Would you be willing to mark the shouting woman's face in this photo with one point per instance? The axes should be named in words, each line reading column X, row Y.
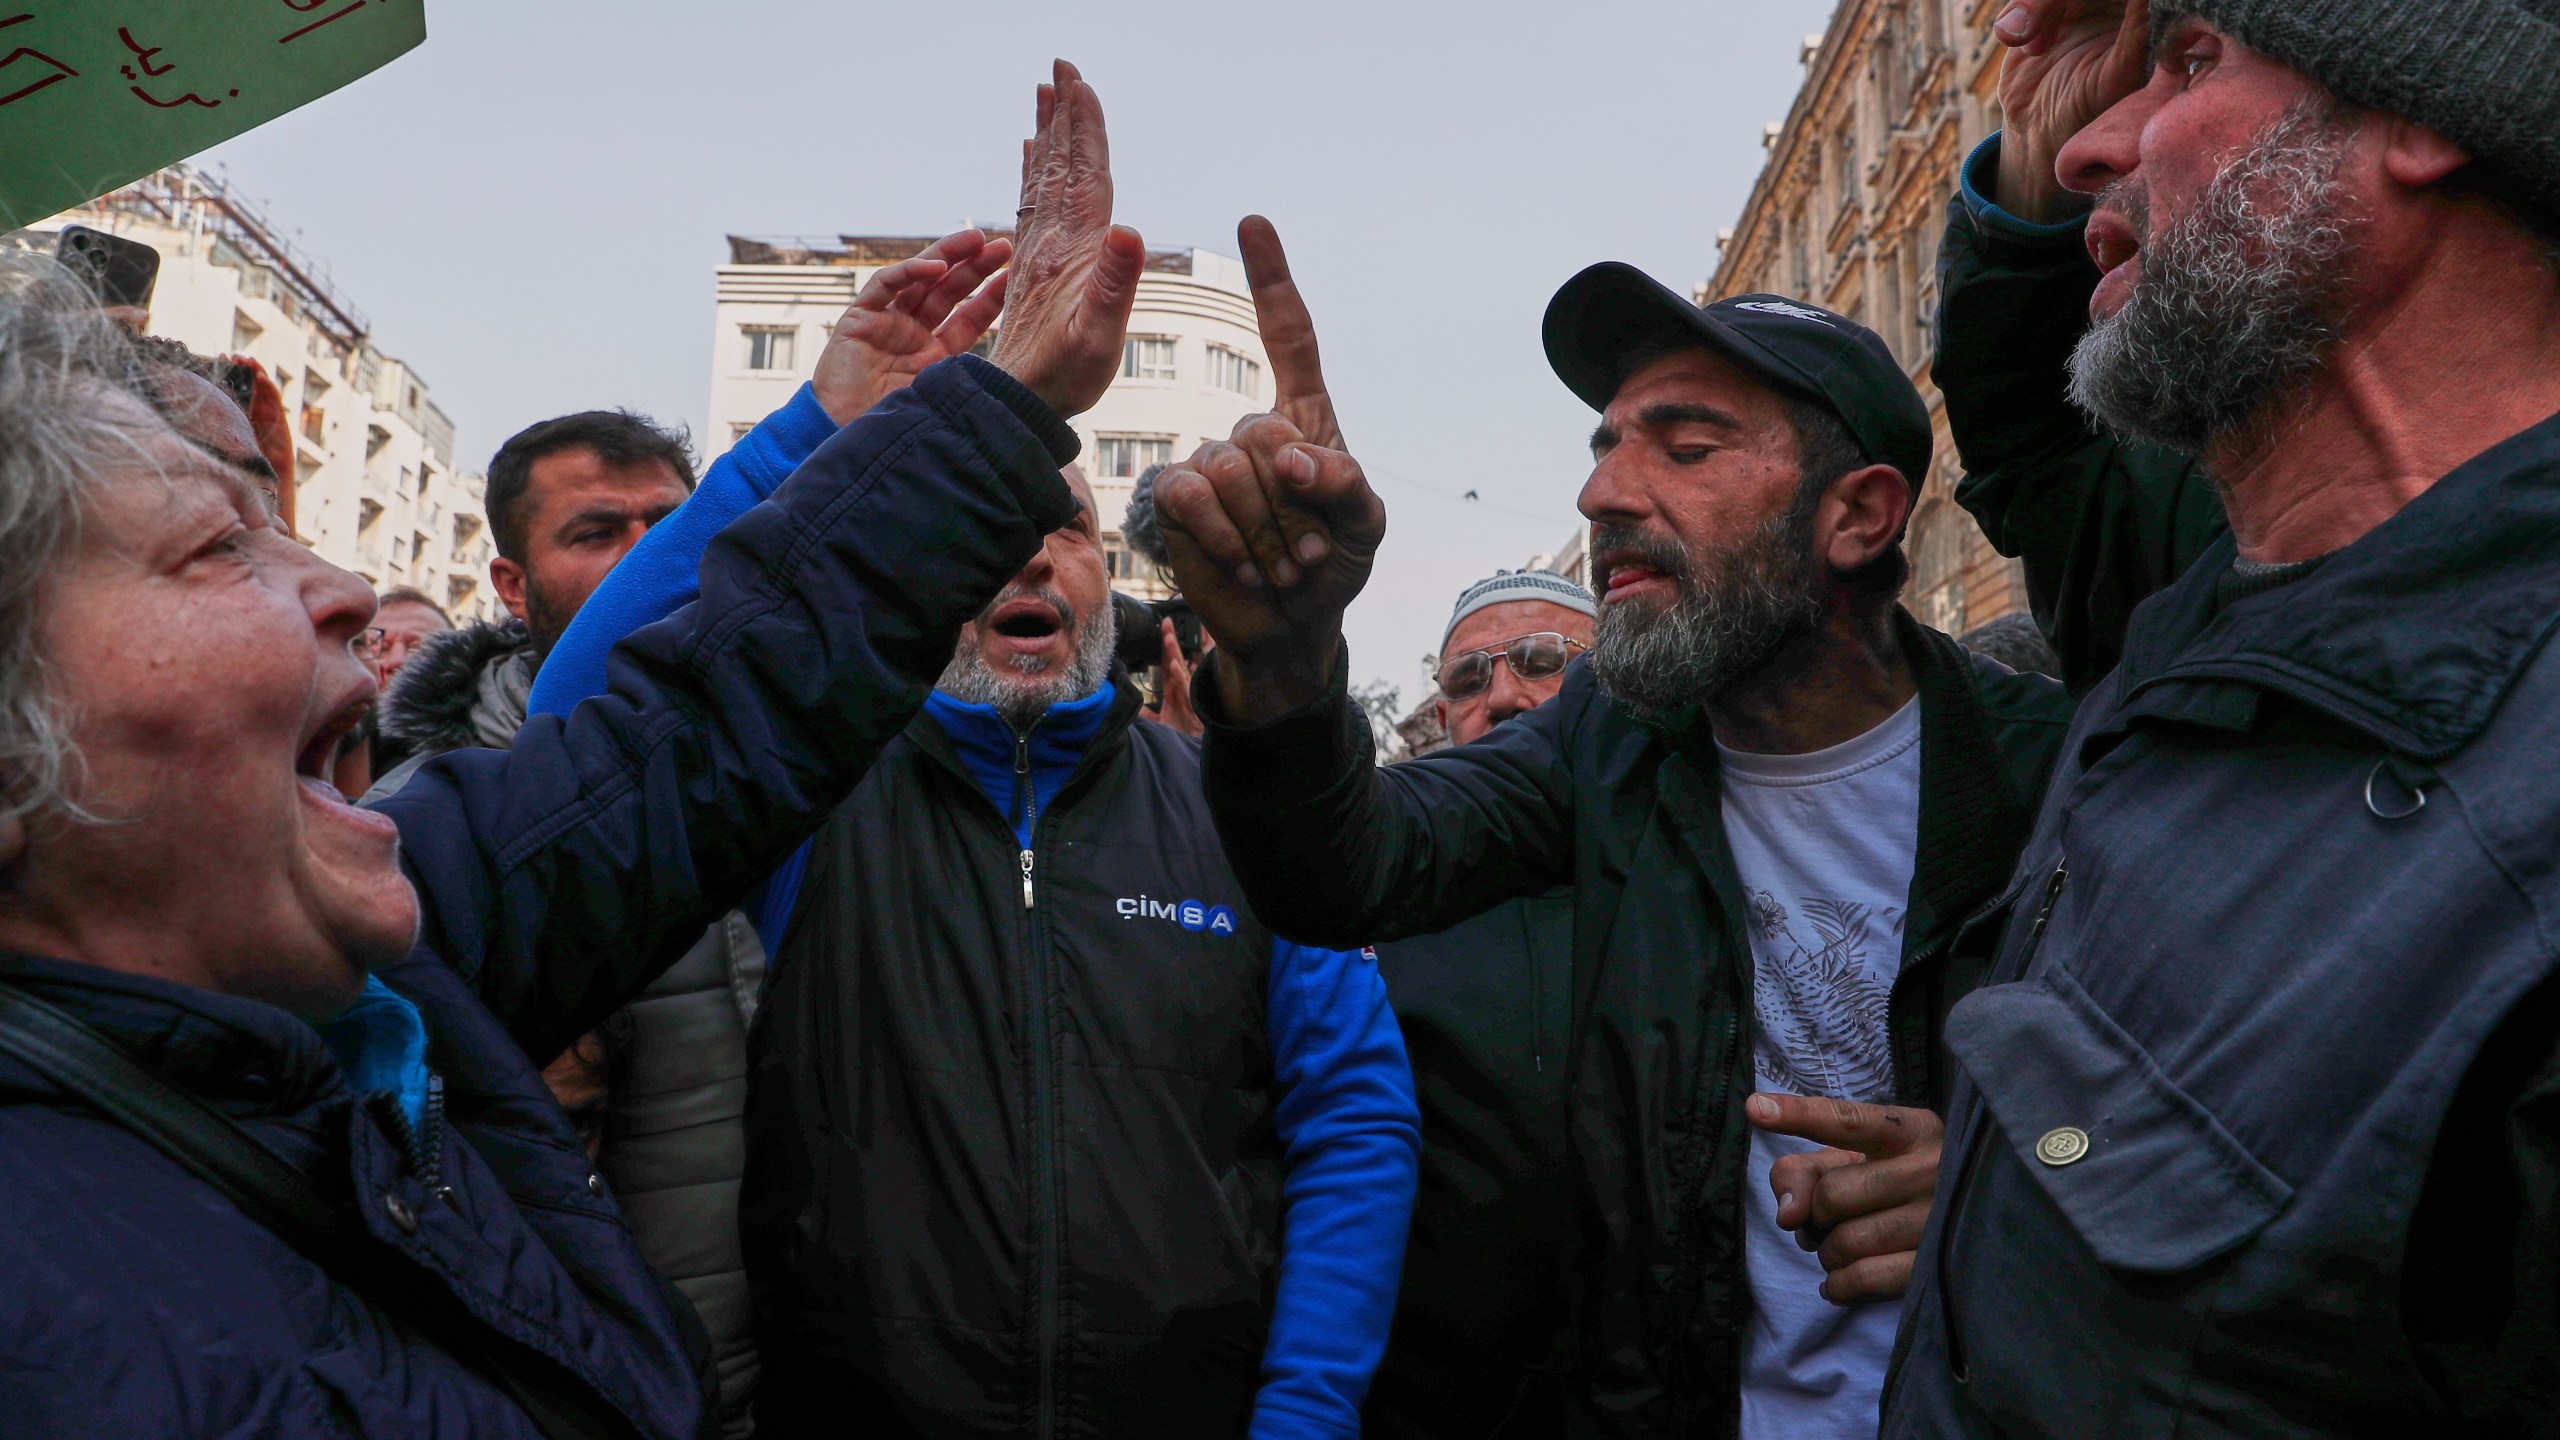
column 205, row 662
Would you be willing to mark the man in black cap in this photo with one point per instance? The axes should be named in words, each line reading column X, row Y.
column 1775, row 794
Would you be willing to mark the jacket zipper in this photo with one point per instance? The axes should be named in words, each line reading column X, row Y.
column 1963, row 1191
column 1030, row 804
column 422, row 1145
column 1044, row 1096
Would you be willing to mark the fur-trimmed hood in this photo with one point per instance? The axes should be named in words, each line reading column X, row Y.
column 463, row 687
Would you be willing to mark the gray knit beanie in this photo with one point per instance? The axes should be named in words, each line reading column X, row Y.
column 2484, row 74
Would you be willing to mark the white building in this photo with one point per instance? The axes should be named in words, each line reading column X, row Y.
column 1193, row 366
column 375, row 486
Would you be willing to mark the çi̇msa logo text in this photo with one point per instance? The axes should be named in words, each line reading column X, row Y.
column 1189, row 914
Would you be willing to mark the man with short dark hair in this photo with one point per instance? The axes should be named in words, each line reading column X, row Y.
column 569, row 497
column 2255, row 1133
column 1777, row 798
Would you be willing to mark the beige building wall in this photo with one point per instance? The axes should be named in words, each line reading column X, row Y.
column 1193, row 365
column 1848, row 213
column 376, row 489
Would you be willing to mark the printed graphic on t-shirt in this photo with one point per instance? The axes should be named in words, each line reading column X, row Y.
column 1821, row 1001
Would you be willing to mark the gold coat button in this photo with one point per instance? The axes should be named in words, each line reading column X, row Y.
column 2062, row 1145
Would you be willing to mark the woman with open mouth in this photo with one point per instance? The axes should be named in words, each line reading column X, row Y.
column 273, row 1160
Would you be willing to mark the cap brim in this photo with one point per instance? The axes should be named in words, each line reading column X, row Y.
column 1613, row 309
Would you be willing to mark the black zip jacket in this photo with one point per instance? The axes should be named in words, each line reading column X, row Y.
column 1486, row 1007
column 1332, row 850
column 2258, row 1132
column 1013, row 1161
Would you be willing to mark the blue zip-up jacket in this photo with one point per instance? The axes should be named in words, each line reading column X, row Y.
column 1344, row 1111
column 554, row 879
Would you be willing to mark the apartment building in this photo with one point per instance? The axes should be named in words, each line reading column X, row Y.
column 375, row 486
column 1848, row 213
column 1193, row 365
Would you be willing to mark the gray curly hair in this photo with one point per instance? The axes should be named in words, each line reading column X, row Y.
column 58, row 355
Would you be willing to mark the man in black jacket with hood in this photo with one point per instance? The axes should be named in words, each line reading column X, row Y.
column 2255, row 1133
column 1755, row 469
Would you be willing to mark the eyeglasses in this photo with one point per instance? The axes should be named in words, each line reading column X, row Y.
column 1531, row 657
column 380, row 644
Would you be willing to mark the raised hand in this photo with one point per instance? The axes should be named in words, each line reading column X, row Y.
column 2069, row 62
column 1075, row 274
column 1273, row 531
column 1173, row 690
column 927, row 308
column 1863, row 1203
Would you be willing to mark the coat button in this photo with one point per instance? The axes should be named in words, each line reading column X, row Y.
column 595, row 1185
column 400, row 1213
column 2062, row 1145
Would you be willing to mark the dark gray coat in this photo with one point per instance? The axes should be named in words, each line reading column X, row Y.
column 2258, row 1128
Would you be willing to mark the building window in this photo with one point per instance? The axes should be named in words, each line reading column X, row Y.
column 1123, row 564
column 1125, row 457
column 1231, row 370
column 740, row 430
column 1147, row 357
column 769, row 347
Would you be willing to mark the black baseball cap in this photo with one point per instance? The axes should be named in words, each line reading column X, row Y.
column 1609, row 311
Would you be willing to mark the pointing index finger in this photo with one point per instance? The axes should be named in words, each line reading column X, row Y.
column 1870, row 1130
column 1288, row 334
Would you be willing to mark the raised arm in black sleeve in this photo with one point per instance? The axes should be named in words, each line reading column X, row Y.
column 1333, row 850
column 562, row 874
column 2101, row 523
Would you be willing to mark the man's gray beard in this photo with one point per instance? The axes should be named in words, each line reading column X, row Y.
column 1755, row 600
column 969, row 678
column 2237, row 304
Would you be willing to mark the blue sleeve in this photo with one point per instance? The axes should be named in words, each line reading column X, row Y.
column 1352, row 1134
column 662, row 573
column 562, row 874
column 1977, row 178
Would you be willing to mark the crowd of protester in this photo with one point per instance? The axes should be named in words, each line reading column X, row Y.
column 825, row 962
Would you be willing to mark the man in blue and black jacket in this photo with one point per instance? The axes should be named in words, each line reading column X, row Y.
column 1045, row 1134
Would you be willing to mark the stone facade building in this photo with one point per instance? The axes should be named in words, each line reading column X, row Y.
column 1847, row 213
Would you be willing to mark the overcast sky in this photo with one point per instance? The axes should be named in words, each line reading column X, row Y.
column 530, row 206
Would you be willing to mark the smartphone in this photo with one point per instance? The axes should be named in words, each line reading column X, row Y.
column 122, row 272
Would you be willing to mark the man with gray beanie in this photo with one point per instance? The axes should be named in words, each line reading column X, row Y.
column 2258, row 1122
column 1486, row 1008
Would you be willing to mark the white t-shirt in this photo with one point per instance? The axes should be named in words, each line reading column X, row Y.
column 1825, row 846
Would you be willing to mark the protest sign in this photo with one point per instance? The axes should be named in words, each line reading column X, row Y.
column 94, row 93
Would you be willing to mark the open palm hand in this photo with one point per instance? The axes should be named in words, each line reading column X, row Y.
column 915, row 313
